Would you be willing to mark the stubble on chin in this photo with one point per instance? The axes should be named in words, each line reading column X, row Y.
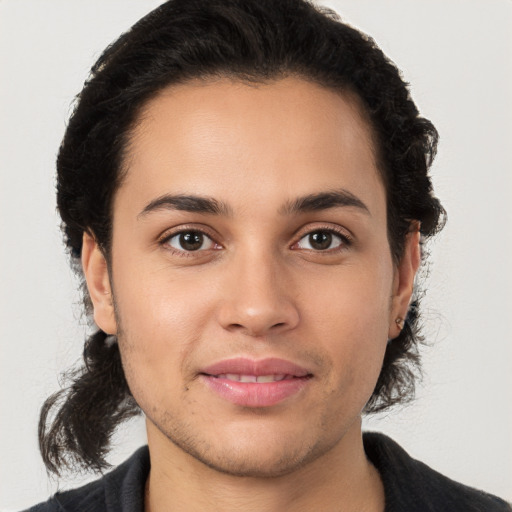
column 255, row 460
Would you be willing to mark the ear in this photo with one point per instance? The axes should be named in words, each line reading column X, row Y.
column 403, row 282
column 96, row 274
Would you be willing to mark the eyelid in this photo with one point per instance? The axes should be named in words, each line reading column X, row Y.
column 163, row 238
column 201, row 228
column 338, row 230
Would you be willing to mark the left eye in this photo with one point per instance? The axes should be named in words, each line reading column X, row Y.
column 321, row 240
column 190, row 241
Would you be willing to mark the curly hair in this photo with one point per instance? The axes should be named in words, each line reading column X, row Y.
column 248, row 40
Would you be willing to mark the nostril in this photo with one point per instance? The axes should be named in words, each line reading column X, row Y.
column 235, row 316
column 235, row 327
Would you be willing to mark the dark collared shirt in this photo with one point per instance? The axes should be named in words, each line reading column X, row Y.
column 410, row 486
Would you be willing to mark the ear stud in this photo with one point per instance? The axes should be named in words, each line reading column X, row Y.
column 110, row 340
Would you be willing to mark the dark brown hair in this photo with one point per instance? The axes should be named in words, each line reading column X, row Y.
column 250, row 40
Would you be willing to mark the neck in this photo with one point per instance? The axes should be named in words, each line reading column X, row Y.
column 342, row 479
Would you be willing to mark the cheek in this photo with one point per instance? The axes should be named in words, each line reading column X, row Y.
column 159, row 323
column 354, row 302
column 349, row 317
column 153, row 299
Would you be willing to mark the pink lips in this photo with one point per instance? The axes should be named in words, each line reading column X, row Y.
column 251, row 383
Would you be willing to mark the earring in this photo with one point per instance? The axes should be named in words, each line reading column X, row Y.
column 110, row 340
column 400, row 322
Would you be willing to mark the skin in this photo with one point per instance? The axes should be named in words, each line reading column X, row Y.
column 256, row 288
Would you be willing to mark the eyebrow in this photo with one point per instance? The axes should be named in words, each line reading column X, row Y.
column 186, row 203
column 209, row 205
column 324, row 201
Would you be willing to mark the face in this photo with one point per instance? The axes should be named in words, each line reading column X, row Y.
column 251, row 273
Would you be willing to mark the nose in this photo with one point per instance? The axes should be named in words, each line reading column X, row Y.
column 258, row 297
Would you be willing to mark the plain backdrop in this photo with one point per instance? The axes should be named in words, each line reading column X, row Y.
column 457, row 56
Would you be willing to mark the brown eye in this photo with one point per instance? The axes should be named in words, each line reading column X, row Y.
column 190, row 241
column 321, row 240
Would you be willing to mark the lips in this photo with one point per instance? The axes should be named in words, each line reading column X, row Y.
column 243, row 366
column 251, row 383
column 236, row 377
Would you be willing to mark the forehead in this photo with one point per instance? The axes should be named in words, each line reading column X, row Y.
column 253, row 141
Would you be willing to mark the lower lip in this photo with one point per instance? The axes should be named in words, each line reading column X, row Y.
column 251, row 394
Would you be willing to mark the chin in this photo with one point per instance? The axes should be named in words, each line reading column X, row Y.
column 255, row 456
column 251, row 464
column 254, row 443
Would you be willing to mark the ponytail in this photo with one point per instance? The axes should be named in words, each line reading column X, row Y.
column 87, row 411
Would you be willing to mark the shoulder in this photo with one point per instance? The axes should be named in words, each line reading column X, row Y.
column 411, row 485
column 121, row 490
column 88, row 497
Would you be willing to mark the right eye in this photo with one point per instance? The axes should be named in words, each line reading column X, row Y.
column 190, row 241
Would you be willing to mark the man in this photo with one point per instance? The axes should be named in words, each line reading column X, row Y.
column 244, row 185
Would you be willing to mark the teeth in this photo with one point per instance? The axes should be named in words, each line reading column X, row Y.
column 267, row 378
column 253, row 378
column 271, row 378
column 248, row 378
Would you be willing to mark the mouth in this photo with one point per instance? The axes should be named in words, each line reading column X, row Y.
column 254, row 378
column 251, row 383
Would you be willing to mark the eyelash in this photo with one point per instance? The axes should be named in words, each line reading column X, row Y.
column 166, row 238
column 346, row 240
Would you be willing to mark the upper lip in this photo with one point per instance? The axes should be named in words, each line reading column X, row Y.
column 246, row 366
